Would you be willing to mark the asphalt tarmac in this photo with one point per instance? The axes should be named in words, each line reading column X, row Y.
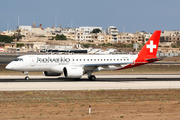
column 16, row 83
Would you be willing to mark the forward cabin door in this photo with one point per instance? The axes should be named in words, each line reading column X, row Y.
column 32, row 61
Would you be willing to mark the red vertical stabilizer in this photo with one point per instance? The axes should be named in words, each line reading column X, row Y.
column 149, row 50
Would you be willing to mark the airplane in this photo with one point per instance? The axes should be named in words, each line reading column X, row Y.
column 74, row 66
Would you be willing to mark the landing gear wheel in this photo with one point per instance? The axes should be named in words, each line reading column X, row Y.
column 26, row 78
column 92, row 77
column 26, row 72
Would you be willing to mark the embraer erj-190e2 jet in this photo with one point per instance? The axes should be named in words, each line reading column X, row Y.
column 74, row 66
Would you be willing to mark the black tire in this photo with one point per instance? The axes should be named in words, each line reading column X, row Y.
column 26, row 78
column 92, row 78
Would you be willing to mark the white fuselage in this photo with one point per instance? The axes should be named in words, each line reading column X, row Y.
column 56, row 63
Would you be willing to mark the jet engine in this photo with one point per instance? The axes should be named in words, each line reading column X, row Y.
column 73, row 72
column 49, row 73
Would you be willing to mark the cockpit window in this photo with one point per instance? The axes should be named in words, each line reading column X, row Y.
column 18, row 59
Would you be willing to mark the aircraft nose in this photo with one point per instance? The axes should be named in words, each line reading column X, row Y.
column 9, row 66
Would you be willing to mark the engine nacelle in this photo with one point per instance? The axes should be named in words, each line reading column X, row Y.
column 73, row 72
column 49, row 73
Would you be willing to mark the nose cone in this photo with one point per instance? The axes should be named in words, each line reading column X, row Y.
column 9, row 66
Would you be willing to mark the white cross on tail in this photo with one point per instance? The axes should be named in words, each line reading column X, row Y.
column 151, row 46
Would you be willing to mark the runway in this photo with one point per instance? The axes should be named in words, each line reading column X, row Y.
column 16, row 83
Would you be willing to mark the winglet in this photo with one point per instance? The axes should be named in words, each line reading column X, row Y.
column 149, row 50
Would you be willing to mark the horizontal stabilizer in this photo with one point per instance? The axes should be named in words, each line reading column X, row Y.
column 152, row 59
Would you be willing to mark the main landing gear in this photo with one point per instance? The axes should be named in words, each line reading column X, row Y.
column 27, row 77
column 92, row 77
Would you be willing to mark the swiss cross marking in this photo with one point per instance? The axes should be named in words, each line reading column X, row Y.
column 151, row 46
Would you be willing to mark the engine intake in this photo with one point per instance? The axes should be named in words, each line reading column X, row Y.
column 73, row 72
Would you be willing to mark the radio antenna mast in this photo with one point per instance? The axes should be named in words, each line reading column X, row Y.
column 18, row 21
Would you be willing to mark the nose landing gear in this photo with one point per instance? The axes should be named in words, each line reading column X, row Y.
column 27, row 77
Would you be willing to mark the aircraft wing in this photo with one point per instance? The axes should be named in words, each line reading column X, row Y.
column 105, row 64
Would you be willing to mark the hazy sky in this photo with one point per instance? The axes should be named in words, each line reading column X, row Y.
column 134, row 15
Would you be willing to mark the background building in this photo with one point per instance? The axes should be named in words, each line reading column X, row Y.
column 113, row 31
column 84, row 33
column 170, row 36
